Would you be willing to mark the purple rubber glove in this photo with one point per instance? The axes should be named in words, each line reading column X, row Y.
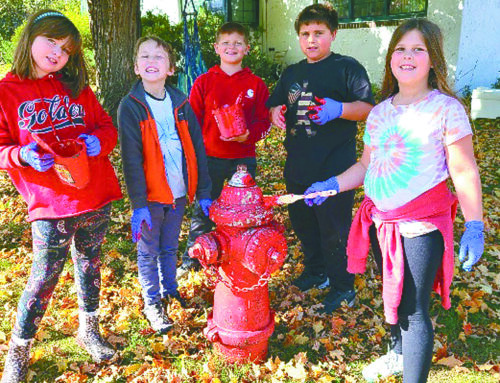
column 205, row 205
column 471, row 244
column 139, row 216
column 329, row 184
column 92, row 143
column 327, row 110
column 40, row 162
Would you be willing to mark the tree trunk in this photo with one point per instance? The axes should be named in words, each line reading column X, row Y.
column 115, row 27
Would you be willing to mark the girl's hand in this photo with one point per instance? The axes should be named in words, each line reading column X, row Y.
column 329, row 184
column 471, row 244
column 277, row 116
column 92, row 143
column 40, row 162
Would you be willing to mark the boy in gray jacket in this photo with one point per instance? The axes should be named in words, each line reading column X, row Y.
column 165, row 167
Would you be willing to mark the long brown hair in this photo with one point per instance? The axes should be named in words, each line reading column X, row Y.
column 52, row 24
column 433, row 39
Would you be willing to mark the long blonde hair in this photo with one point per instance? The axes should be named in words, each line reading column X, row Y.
column 433, row 39
column 52, row 24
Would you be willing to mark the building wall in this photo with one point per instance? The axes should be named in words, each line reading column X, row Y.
column 478, row 53
column 368, row 45
column 171, row 8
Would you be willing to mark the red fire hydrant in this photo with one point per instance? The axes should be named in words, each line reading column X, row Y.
column 246, row 247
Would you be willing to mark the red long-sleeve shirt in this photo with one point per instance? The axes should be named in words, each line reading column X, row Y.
column 215, row 89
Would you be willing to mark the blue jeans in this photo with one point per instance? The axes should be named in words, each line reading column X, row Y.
column 52, row 239
column 157, row 250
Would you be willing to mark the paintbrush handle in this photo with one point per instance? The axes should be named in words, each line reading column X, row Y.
column 324, row 193
column 291, row 198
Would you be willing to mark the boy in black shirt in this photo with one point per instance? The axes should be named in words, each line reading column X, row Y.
column 318, row 101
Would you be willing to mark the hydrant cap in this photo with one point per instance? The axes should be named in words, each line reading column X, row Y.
column 241, row 179
column 241, row 203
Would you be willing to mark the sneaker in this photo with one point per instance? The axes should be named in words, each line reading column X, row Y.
column 307, row 281
column 188, row 264
column 177, row 296
column 383, row 367
column 334, row 299
column 155, row 314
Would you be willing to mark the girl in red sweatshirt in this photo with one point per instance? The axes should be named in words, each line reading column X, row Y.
column 47, row 112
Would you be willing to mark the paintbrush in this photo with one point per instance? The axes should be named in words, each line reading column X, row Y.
column 286, row 199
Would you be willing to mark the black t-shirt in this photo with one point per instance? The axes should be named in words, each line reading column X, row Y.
column 317, row 152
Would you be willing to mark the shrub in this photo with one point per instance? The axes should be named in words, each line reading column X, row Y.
column 81, row 20
column 6, row 52
column 496, row 85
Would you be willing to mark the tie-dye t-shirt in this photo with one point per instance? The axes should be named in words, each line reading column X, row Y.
column 408, row 147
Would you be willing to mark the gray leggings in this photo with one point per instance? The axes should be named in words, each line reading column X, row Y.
column 413, row 336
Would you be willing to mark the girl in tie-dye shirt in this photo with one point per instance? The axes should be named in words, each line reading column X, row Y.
column 416, row 139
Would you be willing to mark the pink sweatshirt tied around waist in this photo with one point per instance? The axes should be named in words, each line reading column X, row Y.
column 437, row 206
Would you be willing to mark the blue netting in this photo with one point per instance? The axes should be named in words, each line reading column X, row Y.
column 193, row 62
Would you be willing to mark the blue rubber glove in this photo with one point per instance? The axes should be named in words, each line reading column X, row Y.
column 139, row 216
column 329, row 184
column 40, row 162
column 92, row 143
column 471, row 244
column 327, row 110
column 205, row 205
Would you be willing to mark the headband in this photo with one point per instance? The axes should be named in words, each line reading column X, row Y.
column 48, row 14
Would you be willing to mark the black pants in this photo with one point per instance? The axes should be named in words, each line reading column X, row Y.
column 413, row 336
column 220, row 170
column 323, row 231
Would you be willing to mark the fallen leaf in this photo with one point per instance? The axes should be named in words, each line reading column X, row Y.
column 450, row 362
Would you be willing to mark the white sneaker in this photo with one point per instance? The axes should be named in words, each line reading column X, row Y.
column 387, row 365
column 155, row 314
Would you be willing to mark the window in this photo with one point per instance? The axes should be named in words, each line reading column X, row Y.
column 362, row 10
column 242, row 11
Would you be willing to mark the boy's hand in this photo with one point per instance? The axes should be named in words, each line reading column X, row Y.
column 241, row 138
column 139, row 216
column 205, row 204
column 471, row 244
column 327, row 110
column 277, row 116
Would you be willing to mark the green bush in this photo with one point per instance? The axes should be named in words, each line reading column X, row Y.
column 15, row 12
column 496, row 85
column 72, row 10
column 6, row 52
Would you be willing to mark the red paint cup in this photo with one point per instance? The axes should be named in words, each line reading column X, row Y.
column 71, row 162
column 231, row 120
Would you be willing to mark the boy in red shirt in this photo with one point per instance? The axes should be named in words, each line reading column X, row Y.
column 225, row 85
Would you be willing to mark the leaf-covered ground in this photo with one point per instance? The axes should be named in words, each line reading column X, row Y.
column 305, row 346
